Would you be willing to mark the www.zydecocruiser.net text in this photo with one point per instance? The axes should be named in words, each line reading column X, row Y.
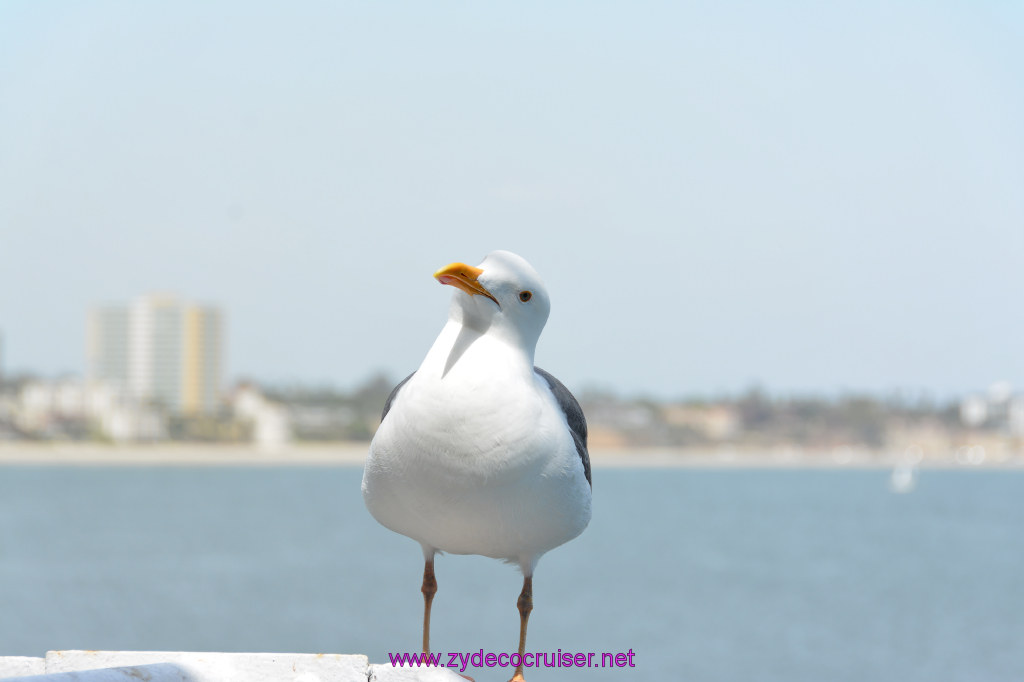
column 461, row 660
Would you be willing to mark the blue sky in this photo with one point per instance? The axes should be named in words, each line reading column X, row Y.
column 810, row 196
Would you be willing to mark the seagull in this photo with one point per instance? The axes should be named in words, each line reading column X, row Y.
column 478, row 450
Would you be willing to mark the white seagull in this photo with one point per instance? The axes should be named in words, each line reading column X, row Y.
column 478, row 450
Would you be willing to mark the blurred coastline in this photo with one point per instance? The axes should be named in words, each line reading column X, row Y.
column 72, row 420
column 349, row 454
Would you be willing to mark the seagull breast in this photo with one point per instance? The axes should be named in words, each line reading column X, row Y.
column 474, row 454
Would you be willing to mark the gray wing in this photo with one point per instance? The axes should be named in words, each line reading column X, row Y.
column 573, row 416
column 393, row 395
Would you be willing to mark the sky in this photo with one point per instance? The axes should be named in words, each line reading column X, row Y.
column 805, row 196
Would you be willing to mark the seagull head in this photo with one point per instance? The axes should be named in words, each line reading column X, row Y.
column 503, row 295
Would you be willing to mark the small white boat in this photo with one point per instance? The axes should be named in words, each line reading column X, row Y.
column 903, row 479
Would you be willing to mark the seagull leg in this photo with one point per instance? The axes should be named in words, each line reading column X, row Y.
column 525, row 604
column 428, row 590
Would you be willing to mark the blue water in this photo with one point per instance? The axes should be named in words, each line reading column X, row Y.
column 706, row 575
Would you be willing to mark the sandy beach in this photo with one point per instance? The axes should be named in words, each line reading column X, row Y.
column 353, row 454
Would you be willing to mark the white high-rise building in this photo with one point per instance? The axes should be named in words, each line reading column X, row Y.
column 160, row 350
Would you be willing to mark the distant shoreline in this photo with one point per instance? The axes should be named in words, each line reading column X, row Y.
column 347, row 454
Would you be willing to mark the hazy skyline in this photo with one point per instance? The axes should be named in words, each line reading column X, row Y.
column 813, row 197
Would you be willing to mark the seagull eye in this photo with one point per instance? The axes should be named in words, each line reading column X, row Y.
column 525, row 296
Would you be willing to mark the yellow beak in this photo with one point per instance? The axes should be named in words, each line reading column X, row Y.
column 464, row 277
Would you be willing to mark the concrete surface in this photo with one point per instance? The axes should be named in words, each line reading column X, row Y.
column 384, row 672
column 21, row 666
column 183, row 666
column 191, row 666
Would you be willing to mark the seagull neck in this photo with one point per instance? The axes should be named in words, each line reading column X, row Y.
column 487, row 349
column 477, row 318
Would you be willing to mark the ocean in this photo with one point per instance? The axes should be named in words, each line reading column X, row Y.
column 703, row 574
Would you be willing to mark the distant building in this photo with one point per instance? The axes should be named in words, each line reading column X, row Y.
column 715, row 422
column 271, row 425
column 70, row 408
column 999, row 409
column 160, row 350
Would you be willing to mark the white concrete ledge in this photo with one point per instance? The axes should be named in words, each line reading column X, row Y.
column 186, row 666
column 156, row 672
column 21, row 666
column 385, row 672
